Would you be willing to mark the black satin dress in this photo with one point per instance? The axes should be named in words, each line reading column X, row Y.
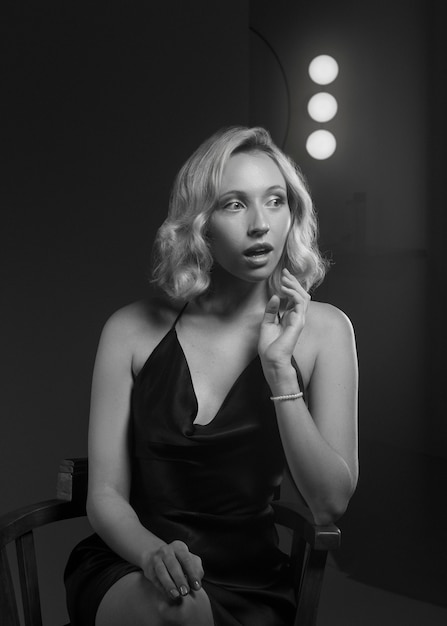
column 209, row 486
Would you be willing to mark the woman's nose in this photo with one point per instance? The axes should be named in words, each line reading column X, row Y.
column 258, row 224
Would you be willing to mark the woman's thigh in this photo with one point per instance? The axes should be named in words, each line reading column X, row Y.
column 134, row 601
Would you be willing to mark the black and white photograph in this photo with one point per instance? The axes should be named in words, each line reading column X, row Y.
column 223, row 336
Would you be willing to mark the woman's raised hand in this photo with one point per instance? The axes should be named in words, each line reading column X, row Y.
column 174, row 570
column 278, row 338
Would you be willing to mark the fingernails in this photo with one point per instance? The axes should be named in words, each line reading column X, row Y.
column 196, row 584
column 184, row 590
column 174, row 594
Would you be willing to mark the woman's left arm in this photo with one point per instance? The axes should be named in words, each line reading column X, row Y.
column 320, row 442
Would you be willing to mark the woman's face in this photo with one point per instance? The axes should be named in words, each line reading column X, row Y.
column 249, row 227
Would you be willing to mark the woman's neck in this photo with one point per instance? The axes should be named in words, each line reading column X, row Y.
column 234, row 297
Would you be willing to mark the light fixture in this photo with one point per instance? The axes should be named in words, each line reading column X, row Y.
column 323, row 69
column 322, row 107
column 321, row 144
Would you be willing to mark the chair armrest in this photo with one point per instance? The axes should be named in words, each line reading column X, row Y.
column 20, row 521
column 298, row 517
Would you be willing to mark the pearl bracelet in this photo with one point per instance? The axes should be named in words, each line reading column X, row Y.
column 290, row 396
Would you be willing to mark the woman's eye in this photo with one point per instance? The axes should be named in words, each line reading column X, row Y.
column 276, row 202
column 234, row 205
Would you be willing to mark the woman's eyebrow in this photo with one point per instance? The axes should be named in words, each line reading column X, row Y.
column 276, row 188
column 244, row 194
column 233, row 192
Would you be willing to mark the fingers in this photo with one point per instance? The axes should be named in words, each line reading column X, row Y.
column 294, row 291
column 271, row 311
column 191, row 566
column 175, row 571
column 278, row 338
column 172, row 576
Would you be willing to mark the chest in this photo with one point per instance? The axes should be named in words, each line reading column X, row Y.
column 216, row 361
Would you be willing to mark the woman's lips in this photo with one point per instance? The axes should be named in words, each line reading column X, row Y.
column 259, row 249
column 258, row 255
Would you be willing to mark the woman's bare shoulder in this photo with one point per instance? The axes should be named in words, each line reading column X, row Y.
column 153, row 310
column 326, row 319
column 150, row 316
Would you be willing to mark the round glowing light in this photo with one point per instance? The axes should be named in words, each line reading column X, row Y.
column 322, row 107
column 323, row 69
column 321, row 144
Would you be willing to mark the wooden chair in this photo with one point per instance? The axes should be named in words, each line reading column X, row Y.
column 309, row 547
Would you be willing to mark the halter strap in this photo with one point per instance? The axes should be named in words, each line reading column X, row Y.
column 179, row 314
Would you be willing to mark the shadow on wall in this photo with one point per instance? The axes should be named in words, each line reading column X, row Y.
column 394, row 529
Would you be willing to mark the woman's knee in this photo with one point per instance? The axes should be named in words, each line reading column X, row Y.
column 134, row 601
column 193, row 609
column 131, row 601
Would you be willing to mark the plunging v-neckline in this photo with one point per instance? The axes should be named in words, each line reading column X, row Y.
column 191, row 384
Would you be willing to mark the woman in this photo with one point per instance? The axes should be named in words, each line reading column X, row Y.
column 201, row 398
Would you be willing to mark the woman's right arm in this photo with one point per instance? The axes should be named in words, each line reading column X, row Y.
column 108, row 507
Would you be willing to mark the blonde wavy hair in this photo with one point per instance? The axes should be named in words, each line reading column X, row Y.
column 182, row 257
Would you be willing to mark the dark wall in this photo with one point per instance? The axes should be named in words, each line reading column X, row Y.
column 99, row 110
column 437, row 219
